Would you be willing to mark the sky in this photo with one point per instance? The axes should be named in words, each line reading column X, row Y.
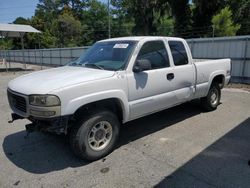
column 11, row 9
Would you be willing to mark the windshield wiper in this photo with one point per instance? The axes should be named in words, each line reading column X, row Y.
column 93, row 65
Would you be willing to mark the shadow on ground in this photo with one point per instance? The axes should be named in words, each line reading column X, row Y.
column 223, row 164
column 14, row 69
column 42, row 153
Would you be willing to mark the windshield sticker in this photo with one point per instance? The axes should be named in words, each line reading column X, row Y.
column 121, row 45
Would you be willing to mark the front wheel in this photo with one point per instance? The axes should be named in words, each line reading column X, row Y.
column 212, row 100
column 95, row 136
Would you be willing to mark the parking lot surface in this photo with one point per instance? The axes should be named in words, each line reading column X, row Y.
column 179, row 147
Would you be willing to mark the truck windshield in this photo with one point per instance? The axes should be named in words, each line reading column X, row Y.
column 111, row 55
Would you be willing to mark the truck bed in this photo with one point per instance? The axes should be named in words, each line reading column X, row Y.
column 205, row 69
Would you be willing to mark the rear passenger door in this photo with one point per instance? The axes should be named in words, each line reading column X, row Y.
column 184, row 71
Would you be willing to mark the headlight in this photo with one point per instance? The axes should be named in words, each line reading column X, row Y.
column 44, row 100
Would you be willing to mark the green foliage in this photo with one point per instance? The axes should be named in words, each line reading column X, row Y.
column 66, row 23
column 166, row 27
column 241, row 14
column 122, row 23
column 21, row 20
column 145, row 13
column 48, row 40
column 96, row 20
column 223, row 24
column 5, row 44
column 203, row 12
column 182, row 17
column 69, row 30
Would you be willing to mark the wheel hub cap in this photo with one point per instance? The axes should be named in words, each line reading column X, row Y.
column 214, row 97
column 100, row 135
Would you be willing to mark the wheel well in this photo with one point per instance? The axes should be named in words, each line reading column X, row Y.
column 112, row 104
column 219, row 79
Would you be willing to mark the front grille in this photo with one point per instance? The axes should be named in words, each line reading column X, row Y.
column 18, row 102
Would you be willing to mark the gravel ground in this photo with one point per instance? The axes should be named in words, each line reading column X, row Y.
column 178, row 147
column 245, row 87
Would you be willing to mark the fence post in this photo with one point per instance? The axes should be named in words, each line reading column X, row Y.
column 192, row 46
column 244, row 61
column 50, row 52
column 41, row 57
column 60, row 56
column 35, row 56
column 71, row 54
column 9, row 58
column 28, row 51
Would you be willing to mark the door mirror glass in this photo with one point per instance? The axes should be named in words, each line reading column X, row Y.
column 142, row 65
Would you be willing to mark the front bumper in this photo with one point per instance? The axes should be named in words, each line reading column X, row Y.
column 58, row 125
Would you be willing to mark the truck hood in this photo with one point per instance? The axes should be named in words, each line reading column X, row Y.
column 45, row 81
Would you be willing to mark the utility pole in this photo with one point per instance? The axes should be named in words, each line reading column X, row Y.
column 109, row 19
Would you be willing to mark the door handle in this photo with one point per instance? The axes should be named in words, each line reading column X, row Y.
column 170, row 76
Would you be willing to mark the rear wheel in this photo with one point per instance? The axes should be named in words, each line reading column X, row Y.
column 95, row 136
column 212, row 100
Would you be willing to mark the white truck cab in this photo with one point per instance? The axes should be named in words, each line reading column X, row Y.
column 117, row 80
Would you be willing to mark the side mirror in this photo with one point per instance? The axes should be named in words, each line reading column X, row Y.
column 142, row 65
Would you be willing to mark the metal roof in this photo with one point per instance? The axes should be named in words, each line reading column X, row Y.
column 16, row 30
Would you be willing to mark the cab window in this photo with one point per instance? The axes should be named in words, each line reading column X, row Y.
column 178, row 52
column 156, row 53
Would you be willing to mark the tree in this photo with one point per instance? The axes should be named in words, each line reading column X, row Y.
column 48, row 40
column 146, row 14
column 5, row 44
column 241, row 14
column 75, row 6
column 182, row 17
column 223, row 24
column 95, row 21
column 202, row 15
column 68, row 30
column 17, row 41
column 21, row 20
column 166, row 26
column 122, row 23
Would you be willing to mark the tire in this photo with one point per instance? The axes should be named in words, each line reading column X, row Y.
column 95, row 136
column 212, row 100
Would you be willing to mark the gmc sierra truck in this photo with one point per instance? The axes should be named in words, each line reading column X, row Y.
column 117, row 80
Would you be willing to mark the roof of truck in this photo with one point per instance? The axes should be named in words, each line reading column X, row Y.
column 138, row 38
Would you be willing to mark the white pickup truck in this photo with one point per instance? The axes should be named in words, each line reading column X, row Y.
column 117, row 80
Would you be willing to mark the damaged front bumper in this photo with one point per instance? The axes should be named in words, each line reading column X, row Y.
column 58, row 125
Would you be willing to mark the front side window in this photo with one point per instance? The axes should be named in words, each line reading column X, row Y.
column 178, row 52
column 155, row 52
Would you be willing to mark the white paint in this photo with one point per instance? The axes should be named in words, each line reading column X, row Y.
column 139, row 94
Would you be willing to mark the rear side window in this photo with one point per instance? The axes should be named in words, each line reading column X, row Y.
column 156, row 53
column 178, row 52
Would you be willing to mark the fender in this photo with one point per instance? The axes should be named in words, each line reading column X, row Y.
column 213, row 75
column 76, row 103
